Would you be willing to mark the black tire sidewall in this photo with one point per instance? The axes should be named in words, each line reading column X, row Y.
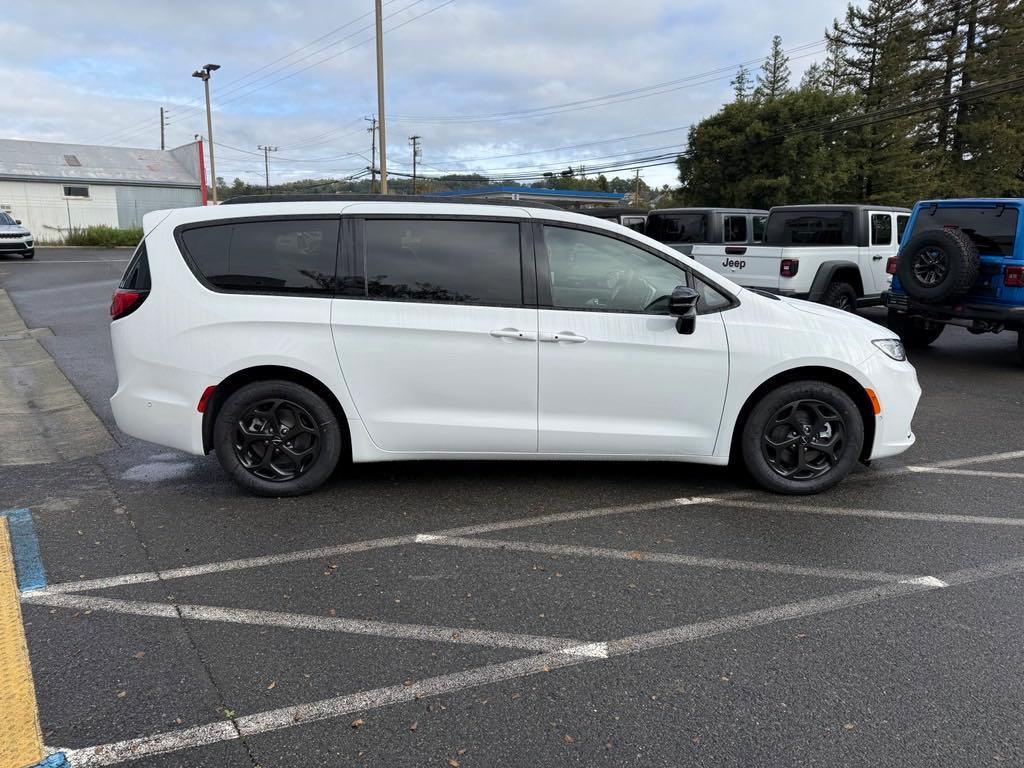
column 837, row 289
column 330, row 436
column 962, row 263
column 753, row 429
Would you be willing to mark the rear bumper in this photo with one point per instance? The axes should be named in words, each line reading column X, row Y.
column 992, row 313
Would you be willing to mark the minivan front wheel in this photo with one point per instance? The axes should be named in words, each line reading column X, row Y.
column 802, row 438
column 277, row 438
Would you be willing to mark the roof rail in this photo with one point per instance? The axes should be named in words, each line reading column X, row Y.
column 319, row 198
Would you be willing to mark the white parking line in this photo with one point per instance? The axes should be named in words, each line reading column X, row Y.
column 286, row 717
column 457, row 635
column 967, row 472
column 668, row 558
column 359, row 546
column 811, row 509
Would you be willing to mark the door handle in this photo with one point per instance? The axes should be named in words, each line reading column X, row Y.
column 876, row 258
column 567, row 337
column 514, row 333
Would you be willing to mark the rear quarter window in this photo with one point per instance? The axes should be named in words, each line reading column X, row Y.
column 136, row 276
column 810, row 228
column 291, row 256
column 993, row 230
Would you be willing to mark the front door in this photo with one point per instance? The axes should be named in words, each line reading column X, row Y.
column 616, row 378
column 436, row 345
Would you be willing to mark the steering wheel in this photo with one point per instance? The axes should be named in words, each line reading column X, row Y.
column 622, row 278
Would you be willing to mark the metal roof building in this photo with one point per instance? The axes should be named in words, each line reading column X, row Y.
column 55, row 187
column 568, row 198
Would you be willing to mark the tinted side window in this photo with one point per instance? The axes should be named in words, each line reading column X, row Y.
column 881, row 228
column 901, row 226
column 678, row 227
column 759, row 226
column 468, row 262
column 294, row 256
column 592, row 271
column 993, row 230
column 636, row 223
column 810, row 228
column 735, row 229
column 136, row 276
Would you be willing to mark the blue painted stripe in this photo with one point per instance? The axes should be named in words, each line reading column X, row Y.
column 28, row 565
column 56, row 760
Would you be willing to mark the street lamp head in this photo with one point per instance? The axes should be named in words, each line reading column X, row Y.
column 200, row 74
column 211, row 67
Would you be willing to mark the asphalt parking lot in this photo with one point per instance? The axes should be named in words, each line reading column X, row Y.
column 520, row 614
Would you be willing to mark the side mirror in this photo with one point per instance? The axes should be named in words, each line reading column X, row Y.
column 17, row 221
column 682, row 305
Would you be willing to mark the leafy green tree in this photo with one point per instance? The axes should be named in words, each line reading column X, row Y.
column 741, row 84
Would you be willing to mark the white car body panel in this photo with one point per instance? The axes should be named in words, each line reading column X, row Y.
column 420, row 380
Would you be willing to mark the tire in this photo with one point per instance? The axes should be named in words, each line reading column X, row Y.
column 274, row 408
column 1020, row 344
column 787, row 416
column 914, row 331
column 938, row 265
column 841, row 296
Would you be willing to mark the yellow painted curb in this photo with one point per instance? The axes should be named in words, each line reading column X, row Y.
column 21, row 741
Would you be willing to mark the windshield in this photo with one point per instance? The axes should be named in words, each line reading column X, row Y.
column 5, row 219
column 678, row 227
column 993, row 229
column 810, row 228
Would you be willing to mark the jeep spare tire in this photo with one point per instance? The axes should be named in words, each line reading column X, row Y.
column 938, row 264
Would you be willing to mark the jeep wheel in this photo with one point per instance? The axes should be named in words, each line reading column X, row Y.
column 1020, row 344
column 938, row 264
column 914, row 331
column 802, row 438
column 277, row 438
column 841, row 296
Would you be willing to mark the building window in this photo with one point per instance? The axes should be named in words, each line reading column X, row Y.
column 76, row 191
column 73, row 161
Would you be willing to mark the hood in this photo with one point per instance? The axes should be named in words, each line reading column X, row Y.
column 17, row 229
column 849, row 319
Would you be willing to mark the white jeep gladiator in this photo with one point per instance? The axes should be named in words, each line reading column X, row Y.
column 832, row 254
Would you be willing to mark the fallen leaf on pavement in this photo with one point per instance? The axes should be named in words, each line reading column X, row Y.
column 358, row 723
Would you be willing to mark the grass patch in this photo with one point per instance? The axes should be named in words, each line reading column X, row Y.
column 103, row 237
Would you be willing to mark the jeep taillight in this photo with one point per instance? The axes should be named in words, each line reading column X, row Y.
column 890, row 265
column 125, row 302
column 789, row 267
column 1013, row 277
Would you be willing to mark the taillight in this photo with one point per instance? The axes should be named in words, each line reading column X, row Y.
column 125, row 301
column 789, row 267
column 1013, row 277
column 890, row 265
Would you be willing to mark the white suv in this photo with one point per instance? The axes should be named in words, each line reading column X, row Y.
column 288, row 335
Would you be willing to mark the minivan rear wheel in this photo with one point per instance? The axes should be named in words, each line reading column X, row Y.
column 277, row 438
column 802, row 438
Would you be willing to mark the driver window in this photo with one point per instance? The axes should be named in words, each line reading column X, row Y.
column 591, row 271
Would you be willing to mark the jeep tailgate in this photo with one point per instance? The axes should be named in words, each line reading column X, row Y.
column 752, row 266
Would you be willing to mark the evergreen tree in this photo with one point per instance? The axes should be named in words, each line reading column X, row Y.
column 813, row 79
column 833, row 69
column 773, row 81
column 741, row 84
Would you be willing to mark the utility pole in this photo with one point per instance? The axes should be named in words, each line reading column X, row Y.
column 636, row 195
column 204, row 74
column 415, row 141
column 380, row 100
column 266, row 160
column 372, row 130
column 162, row 123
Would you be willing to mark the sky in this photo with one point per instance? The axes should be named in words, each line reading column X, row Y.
column 505, row 87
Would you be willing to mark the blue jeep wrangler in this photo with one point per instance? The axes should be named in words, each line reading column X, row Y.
column 961, row 262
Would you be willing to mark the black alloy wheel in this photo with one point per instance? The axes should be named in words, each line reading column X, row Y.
column 930, row 266
column 804, row 439
column 277, row 440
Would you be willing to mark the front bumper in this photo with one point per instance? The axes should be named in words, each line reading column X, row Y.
column 898, row 391
column 10, row 245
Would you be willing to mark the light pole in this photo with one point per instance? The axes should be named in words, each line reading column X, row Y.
column 380, row 100
column 204, row 75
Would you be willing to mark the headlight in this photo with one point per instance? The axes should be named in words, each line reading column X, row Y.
column 892, row 348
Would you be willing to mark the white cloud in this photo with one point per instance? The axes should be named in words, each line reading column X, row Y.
column 99, row 71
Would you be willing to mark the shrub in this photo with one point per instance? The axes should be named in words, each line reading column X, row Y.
column 103, row 236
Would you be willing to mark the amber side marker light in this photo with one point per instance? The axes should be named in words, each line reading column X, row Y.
column 875, row 405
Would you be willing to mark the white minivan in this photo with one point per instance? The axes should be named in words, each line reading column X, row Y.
column 290, row 334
